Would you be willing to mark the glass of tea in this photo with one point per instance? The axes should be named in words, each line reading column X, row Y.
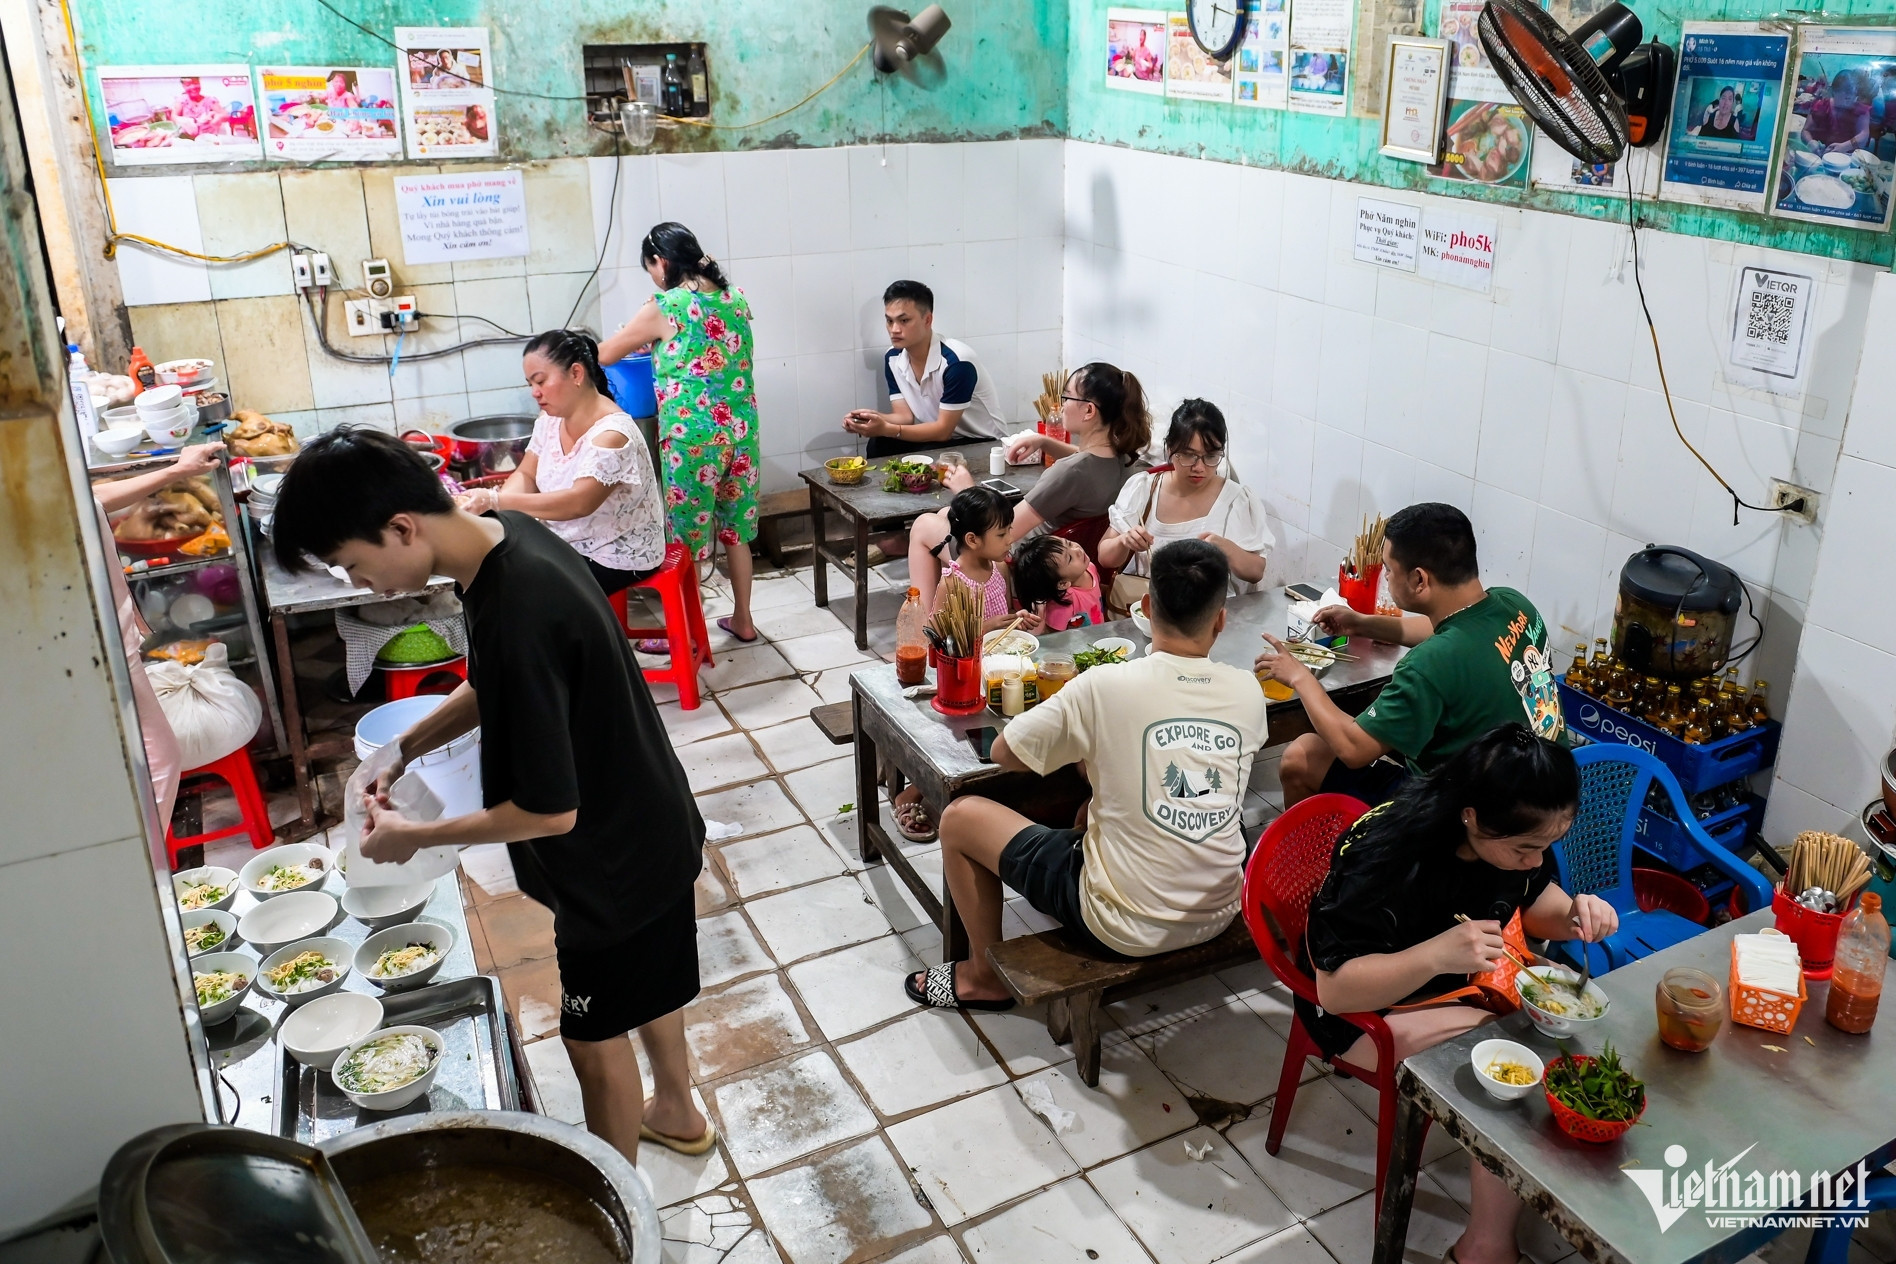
column 1691, row 1005
column 1054, row 670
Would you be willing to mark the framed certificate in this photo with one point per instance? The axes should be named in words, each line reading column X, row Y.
column 1417, row 74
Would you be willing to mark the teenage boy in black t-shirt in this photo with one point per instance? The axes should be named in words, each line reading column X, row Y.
column 578, row 774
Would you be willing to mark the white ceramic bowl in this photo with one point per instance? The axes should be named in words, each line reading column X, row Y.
column 442, row 937
column 317, row 1033
column 183, row 372
column 1838, row 163
column 1130, row 650
column 298, row 915
column 336, row 950
column 395, row 1098
column 1556, row 981
column 242, row 963
column 288, row 855
column 213, row 875
column 381, row 907
column 1489, row 1052
column 1142, row 623
column 118, row 440
column 171, row 427
column 1018, row 643
column 225, row 922
column 158, row 399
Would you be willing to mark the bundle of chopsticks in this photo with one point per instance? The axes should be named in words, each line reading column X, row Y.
column 1831, row 864
column 1047, row 403
column 1367, row 552
column 955, row 627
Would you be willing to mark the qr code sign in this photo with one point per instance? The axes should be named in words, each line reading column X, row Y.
column 1768, row 319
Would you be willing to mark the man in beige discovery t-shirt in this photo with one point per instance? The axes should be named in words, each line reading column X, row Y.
column 1167, row 740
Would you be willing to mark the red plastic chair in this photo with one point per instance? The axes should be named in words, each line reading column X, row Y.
column 676, row 583
column 1285, row 871
column 405, row 682
column 235, row 771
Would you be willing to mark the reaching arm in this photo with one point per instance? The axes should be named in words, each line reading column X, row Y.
column 1409, row 629
column 392, row 838
column 1557, row 915
column 1345, row 737
column 1378, row 980
column 648, row 326
column 1245, row 565
column 125, row 492
column 1026, row 518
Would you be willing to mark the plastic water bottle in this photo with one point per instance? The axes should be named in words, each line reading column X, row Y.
column 77, row 374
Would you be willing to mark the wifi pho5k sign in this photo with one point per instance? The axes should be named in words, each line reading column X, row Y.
column 1733, row 1198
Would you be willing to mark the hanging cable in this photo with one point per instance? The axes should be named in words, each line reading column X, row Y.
column 1737, row 502
column 771, row 118
column 605, row 243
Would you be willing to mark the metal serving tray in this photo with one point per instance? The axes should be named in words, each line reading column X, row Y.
column 477, row 1067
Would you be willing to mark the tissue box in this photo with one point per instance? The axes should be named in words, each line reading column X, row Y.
column 1756, row 1007
column 1300, row 627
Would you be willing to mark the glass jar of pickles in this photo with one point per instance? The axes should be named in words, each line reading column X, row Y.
column 1054, row 671
column 1691, row 1006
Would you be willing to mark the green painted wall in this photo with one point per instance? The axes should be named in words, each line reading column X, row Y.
column 1345, row 149
column 1001, row 72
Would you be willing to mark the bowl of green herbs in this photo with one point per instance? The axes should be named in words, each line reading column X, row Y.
column 1593, row 1099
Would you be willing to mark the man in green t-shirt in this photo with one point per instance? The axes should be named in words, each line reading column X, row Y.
column 1478, row 658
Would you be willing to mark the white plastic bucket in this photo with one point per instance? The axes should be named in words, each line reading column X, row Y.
column 453, row 772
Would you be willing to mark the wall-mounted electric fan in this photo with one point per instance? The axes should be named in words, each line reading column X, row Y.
column 1594, row 91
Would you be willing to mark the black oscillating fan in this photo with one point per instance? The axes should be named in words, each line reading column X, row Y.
column 1594, row 91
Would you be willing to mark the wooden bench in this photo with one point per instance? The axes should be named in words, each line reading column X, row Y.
column 772, row 512
column 837, row 720
column 1075, row 984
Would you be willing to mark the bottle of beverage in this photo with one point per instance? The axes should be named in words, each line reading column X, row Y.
column 1759, row 709
column 1577, row 670
column 1862, row 956
column 77, row 373
column 1696, row 729
column 140, row 370
column 1672, row 715
column 677, row 90
column 1619, row 695
column 911, row 647
column 700, row 80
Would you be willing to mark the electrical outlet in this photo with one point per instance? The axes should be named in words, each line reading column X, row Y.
column 365, row 316
column 1797, row 502
column 325, row 275
column 400, row 313
column 303, row 270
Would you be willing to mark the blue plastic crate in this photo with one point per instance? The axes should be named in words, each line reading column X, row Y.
column 1667, row 839
column 1696, row 768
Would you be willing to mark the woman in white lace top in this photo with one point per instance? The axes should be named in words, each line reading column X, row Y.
column 587, row 473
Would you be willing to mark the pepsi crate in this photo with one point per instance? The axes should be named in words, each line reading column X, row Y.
column 1667, row 839
column 1696, row 768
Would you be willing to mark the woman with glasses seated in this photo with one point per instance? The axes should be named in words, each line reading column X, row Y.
column 1193, row 501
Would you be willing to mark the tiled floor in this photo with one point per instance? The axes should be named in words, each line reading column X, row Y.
column 857, row 1129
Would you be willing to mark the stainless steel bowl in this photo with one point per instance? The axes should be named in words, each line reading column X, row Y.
column 506, row 1138
column 491, row 445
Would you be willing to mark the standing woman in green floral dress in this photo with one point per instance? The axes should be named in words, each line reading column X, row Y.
column 698, row 326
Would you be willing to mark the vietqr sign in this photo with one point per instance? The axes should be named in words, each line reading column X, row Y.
column 445, row 218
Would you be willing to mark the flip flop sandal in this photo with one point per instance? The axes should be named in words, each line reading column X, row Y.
column 683, row 1145
column 657, row 645
column 915, row 822
column 724, row 625
column 938, row 991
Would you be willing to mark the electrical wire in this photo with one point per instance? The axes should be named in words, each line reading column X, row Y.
column 470, row 316
column 768, row 118
column 498, row 91
column 605, row 244
column 318, row 304
column 1737, row 502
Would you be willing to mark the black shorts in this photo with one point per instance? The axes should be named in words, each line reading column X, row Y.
column 1043, row 864
column 1374, row 783
column 606, row 992
column 611, row 581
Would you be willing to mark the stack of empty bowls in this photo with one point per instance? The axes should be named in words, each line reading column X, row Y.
column 263, row 499
column 167, row 416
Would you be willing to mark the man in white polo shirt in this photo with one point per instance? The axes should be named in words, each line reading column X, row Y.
column 938, row 396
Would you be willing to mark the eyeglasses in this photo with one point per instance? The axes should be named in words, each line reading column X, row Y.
column 1075, row 399
column 1207, row 461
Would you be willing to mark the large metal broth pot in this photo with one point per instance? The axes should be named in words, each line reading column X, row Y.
column 491, row 445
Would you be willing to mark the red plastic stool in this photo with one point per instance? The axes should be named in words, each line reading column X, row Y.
column 405, row 682
column 235, row 771
column 676, row 583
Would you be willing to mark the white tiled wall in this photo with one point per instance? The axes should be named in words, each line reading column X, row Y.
column 812, row 235
column 1842, row 707
column 1354, row 390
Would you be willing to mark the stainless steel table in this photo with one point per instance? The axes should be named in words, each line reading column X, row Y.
column 911, row 740
column 285, row 594
column 1814, row 1100
column 868, row 508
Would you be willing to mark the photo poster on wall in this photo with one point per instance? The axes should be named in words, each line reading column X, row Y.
column 1727, row 105
column 1473, row 77
column 1377, row 21
column 446, row 75
column 1320, row 57
column 313, row 113
column 1551, row 167
column 1840, row 132
column 172, row 114
column 1191, row 72
column 1135, row 50
column 1485, row 143
column 1263, row 75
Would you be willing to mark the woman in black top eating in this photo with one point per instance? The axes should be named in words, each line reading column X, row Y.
column 1475, row 839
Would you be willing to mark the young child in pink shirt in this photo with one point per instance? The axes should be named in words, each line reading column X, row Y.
column 1054, row 578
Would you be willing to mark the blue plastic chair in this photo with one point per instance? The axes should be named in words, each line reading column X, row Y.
column 1596, row 856
column 1831, row 1244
